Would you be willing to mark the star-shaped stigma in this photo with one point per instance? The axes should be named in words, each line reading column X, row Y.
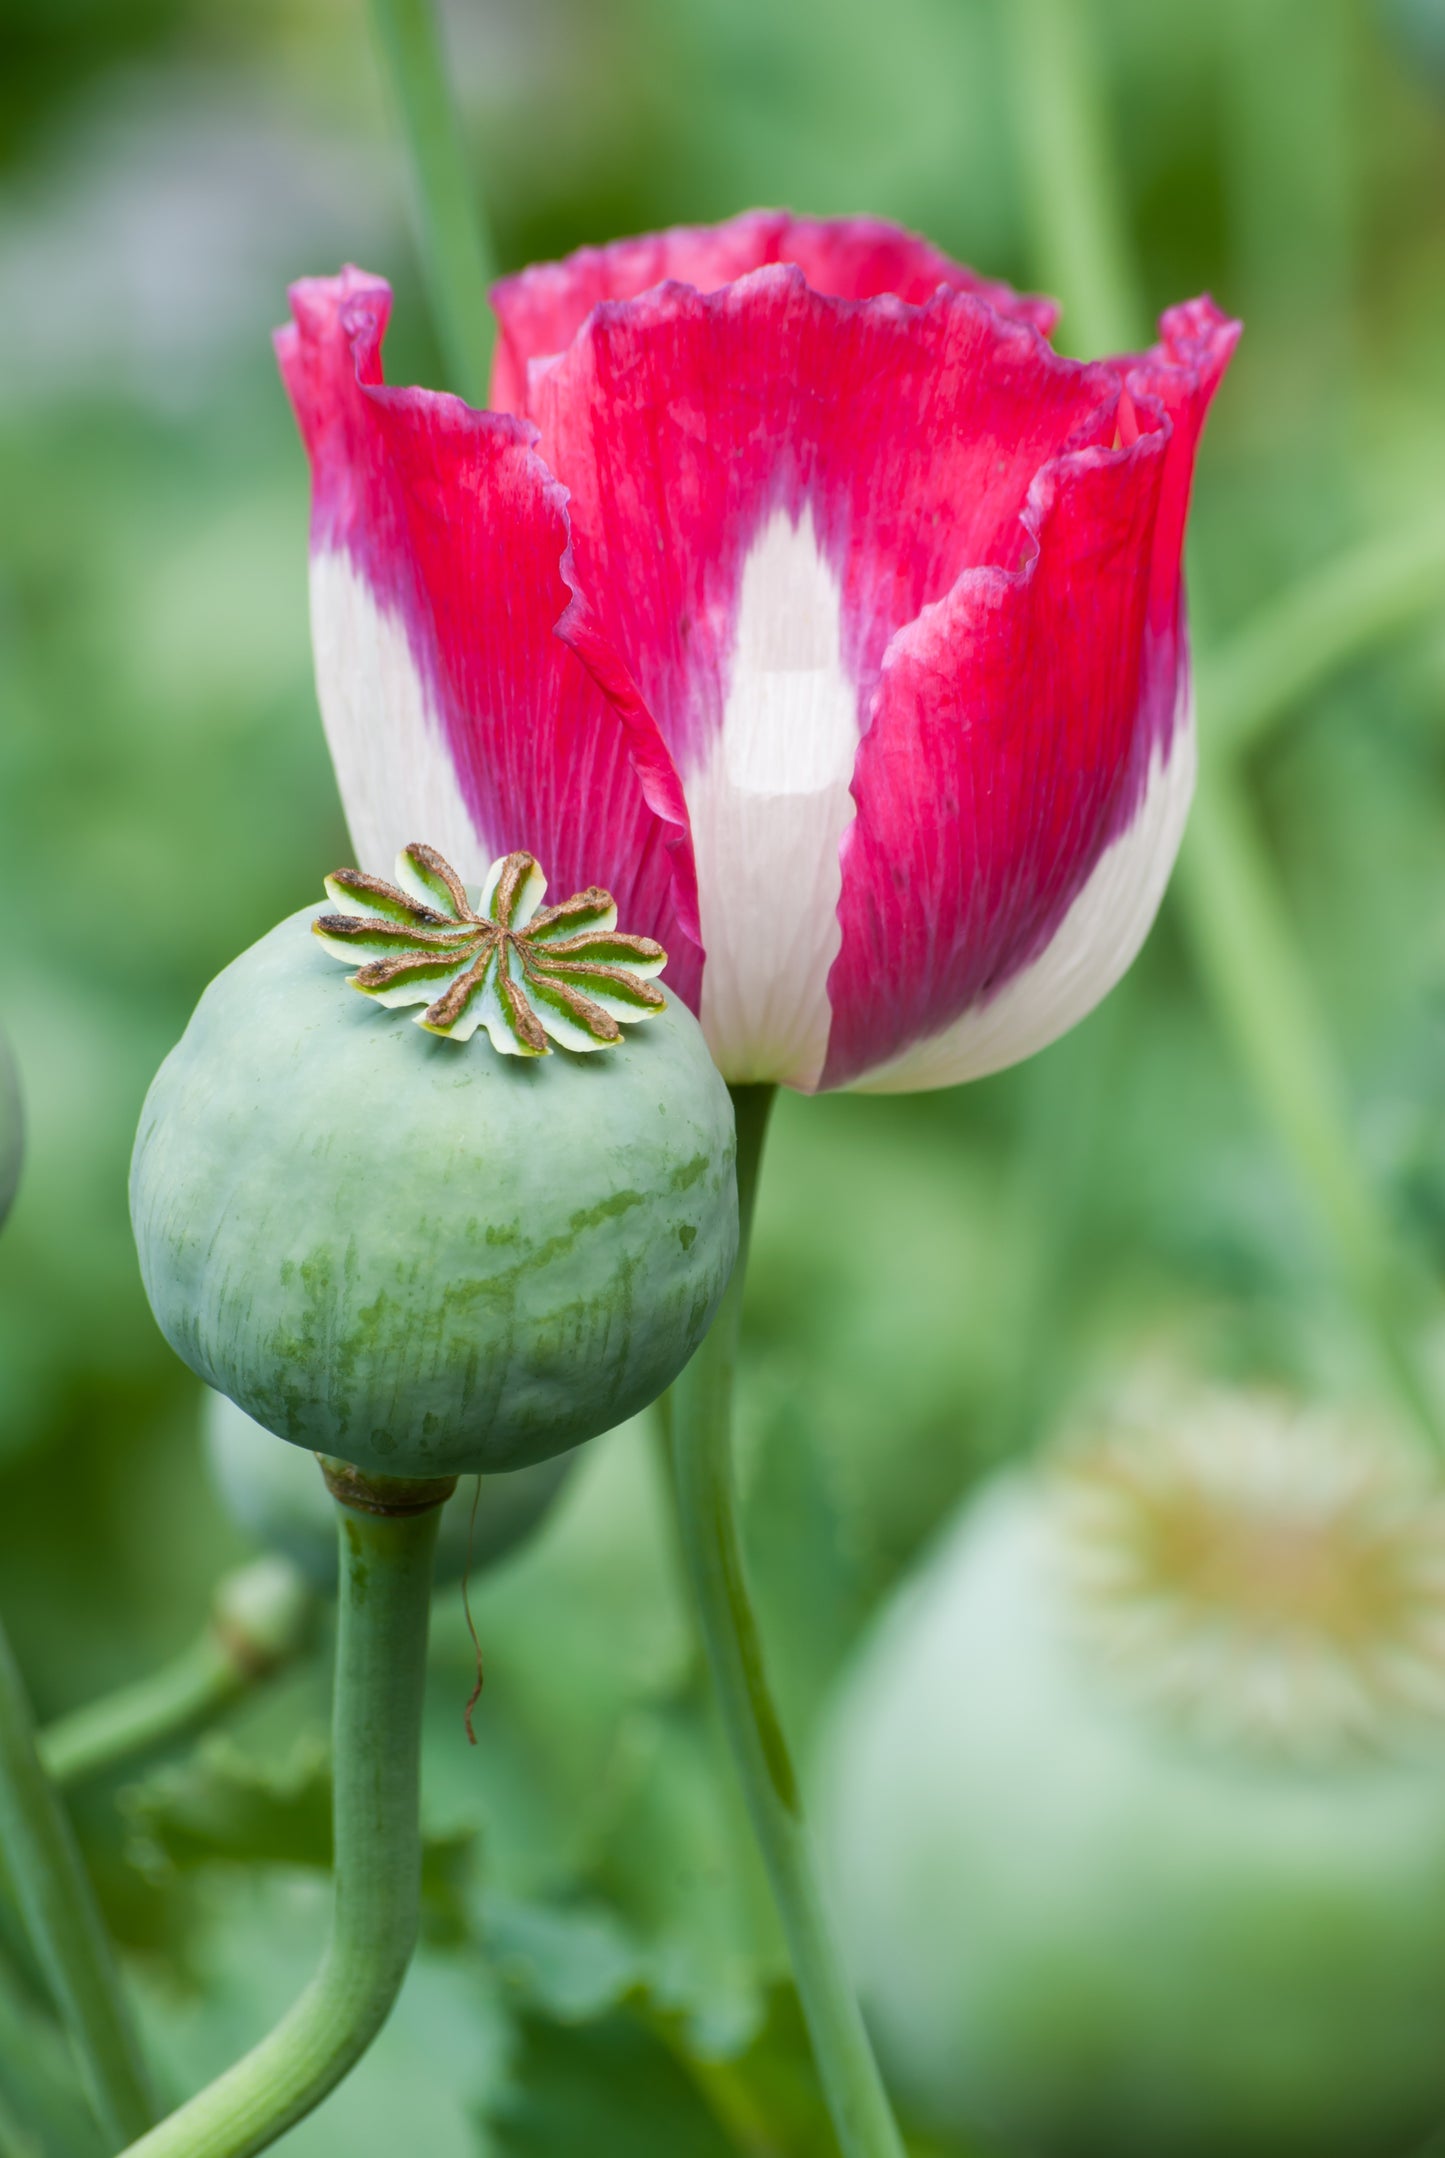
column 521, row 970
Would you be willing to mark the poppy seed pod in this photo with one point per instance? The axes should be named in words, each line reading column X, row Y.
column 413, row 1254
column 279, row 1497
column 1135, row 1802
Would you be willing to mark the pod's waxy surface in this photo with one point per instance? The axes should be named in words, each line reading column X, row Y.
column 417, row 1255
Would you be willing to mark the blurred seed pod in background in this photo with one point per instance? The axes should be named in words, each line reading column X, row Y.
column 277, row 1495
column 12, row 1130
column 1134, row 1800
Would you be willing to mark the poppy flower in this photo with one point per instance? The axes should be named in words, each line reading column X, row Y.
column 800, row 594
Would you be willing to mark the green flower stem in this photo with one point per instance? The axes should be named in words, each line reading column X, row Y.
column 712, row 1549
column 1321, row 625
column 455, row 254
column 383, row 1612
column 57, row 1904
column 260, row 1623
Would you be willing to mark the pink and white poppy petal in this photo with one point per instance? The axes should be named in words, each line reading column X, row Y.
column 765, row 485
column 453, row 712
column 1093, row 947
column 1045, row 718
column 1179, row 375
column 541, row 309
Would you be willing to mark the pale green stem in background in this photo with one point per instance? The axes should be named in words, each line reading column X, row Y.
column 1332, row 617
column 1081, row 246
column 702, row 1401
column 383, row 1611
column 455, row 254
column 260, row 1623
column 136, row 1720
column 57, row 1904
column 1235, row 916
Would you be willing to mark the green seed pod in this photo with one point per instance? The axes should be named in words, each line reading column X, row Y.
column 1135, row 1801
column 12, row 1130
column 414, row 1254
column 278, row 1495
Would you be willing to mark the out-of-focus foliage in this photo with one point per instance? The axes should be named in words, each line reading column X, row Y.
column 934, row 1276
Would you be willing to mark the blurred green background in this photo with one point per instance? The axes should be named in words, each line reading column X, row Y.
column 936, row 1278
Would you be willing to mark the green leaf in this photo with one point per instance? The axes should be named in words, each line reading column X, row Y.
column 256, row 1939
column 571, row 1962
column 577, row 1631
column 223, row 1806
column 606, row 2087
column 219, row 1803
column 681, row 1867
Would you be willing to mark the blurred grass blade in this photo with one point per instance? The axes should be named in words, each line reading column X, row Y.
column 455, row 255
column 59, row 1908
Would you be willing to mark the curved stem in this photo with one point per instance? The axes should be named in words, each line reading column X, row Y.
column 712, row 1548
column 455, row 255
column 58, row 1906
column 383, row 1611
column 259, row 1625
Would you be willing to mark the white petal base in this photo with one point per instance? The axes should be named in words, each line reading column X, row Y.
column 769, row 808
column 393, row 763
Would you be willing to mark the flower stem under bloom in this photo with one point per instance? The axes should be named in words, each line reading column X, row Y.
column 385, row 1601
column 712, row 1548
column 58, row 1906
